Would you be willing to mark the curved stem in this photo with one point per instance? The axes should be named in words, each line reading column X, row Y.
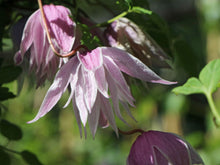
column 131, row 132
column 49, row 37
column 213, row 109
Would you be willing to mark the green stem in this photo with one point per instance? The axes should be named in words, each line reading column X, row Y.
column 135, row 9
column 112, row 20
column 213, row 108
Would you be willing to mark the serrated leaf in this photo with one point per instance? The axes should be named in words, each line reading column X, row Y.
column 30, row 158
column 9, row 73
column 210, row 75
column 5, row 94
column 192, row 86
column 4, row 158
column 10, row 130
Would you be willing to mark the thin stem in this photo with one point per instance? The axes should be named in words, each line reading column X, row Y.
column 112, row 20
column 213, row 109
column 9, row 150
column 49, row 37
column 131, row 132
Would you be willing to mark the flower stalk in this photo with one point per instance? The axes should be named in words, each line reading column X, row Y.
column 131, row 131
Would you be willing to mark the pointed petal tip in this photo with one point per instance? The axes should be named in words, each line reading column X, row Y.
column 164, row 82
column 32, row 121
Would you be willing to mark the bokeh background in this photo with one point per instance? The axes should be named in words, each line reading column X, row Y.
column 190, row 36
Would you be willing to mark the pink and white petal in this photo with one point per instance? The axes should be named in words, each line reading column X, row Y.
column 91, row 60
column 101, row 81
column 56, row 90
column 133, row 66
column 93, row 118
column 108, row 112
column 61, row 26
column 76, row 112
column 90, row 89
column 73, row 82
column 114, row 96
column 39, row 42
column 116, row 75
column 79, row 98
column 27, row 37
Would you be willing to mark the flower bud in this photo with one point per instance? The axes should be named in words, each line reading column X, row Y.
column 125, row 34
column 161, row 148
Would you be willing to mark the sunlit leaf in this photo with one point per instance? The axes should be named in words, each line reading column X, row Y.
column 4, row 158
column 10, row 130
column 30, row 158
column 192, row 86
column 210, row 75
column 9, row 73
column 91, row 42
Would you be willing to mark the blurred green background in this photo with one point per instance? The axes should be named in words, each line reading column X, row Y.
column 193, row 40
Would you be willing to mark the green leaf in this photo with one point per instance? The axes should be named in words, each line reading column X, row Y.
column 91, row 42
column 9, row 73
column 10, row 130
column 192, row 86
column 210, row 75
column 4, row 158
column 30, row 158
column 5, row 94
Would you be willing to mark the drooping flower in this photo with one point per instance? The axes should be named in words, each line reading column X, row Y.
column 95, row 78
column 126, row 35
column 162, row 148
column 42, row 60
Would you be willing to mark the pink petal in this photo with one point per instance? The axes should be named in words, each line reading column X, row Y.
column 39, row 42
column 93, row 118
column 58, row 87
column 108, row 112
column 117, row 76
column 79, row 98
column 133, row 66
column 90, row 89
column 115, row 100
column 76, row 112
column 72, row 86
column 91, row 60
column 27, row 37
column 101, row 81
column 61, row 26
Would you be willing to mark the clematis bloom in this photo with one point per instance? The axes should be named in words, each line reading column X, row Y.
column 34, row 41
column 95, row 78
column 162, row 148
column 126, row 35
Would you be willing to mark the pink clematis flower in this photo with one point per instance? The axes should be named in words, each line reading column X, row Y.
column 162, row 148
column 95, row 78
column 42, row 59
